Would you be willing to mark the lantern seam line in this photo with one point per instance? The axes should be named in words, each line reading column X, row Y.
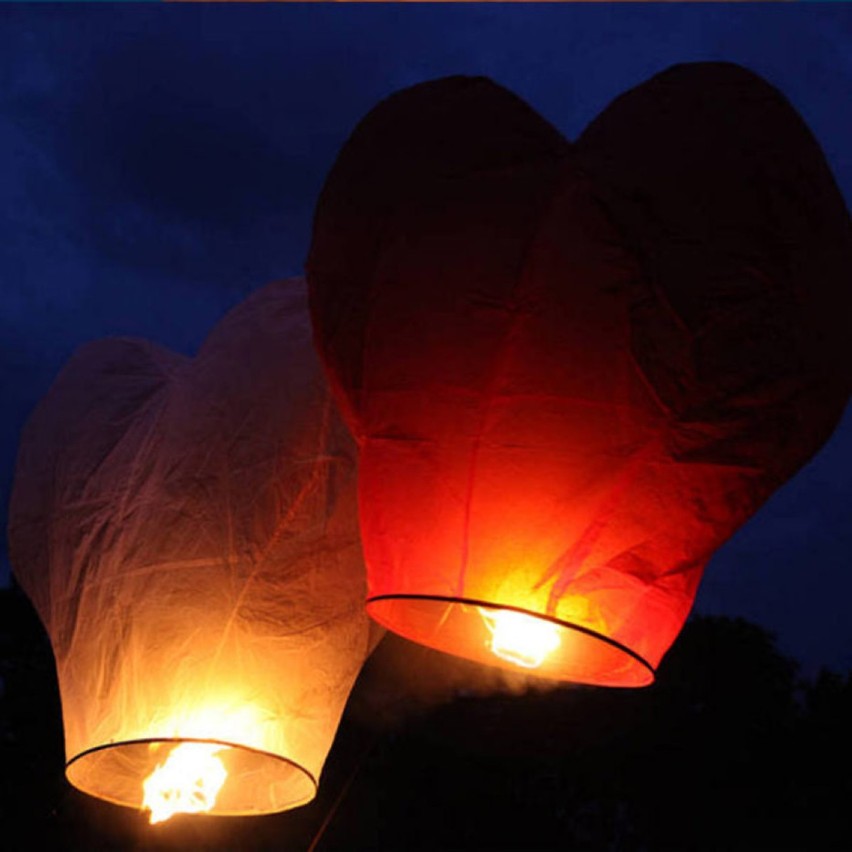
column 503, row 354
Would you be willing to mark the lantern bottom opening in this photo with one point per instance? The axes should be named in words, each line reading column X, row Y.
column 460, row 626
column 257, row 782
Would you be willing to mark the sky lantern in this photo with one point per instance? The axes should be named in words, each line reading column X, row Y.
column 575, row 369
column 187, row 531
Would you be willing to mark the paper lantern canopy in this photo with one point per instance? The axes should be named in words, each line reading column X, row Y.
column 574, row 370
column 186, row 529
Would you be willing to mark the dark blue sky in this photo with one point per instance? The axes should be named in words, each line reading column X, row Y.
column 159, row 163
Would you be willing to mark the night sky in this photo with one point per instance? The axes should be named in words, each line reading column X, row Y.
column 158, row 164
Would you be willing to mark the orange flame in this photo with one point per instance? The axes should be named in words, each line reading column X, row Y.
column 188, row 781
column 519, row 638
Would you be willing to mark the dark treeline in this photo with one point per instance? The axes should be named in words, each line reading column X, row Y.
column 728, row 750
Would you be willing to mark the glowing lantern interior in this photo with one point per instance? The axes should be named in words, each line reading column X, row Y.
column 513, row 638
column 520, row 638
column 187, row 781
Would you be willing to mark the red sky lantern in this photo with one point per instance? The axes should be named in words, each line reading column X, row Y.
column 574, row 370
column 187, row 531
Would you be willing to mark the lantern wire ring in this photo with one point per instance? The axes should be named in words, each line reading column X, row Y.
column 492, row 605
column 144, row 740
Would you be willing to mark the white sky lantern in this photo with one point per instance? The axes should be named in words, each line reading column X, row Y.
column 187, row 530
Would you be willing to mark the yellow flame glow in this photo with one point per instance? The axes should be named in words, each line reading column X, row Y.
column 188, row 781
column 519, row 638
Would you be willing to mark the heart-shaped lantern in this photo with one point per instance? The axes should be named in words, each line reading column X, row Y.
column 187, row 531
column 574, row 370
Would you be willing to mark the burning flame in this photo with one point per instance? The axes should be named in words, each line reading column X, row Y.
column 519, row 638
column 188, row 781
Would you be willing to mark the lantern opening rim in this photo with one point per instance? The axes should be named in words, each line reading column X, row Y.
column 546, row 671
column 217, row 811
